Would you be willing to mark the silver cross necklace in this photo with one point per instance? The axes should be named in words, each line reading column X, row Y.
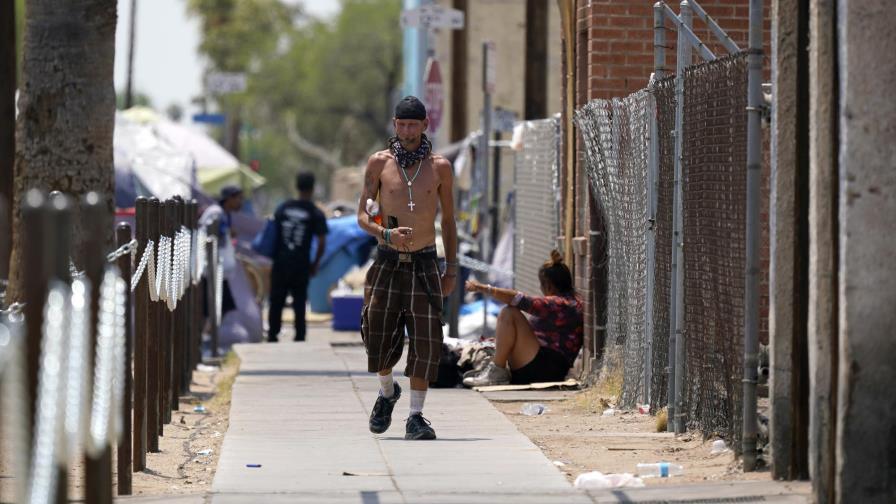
column 410, row 181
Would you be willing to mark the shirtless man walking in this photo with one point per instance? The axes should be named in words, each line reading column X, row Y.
column 404, row 288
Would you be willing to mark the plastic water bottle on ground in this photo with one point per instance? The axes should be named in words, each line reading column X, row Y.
column 533, row 409
column 596, row 480
column 660, row 470
column 718, row 446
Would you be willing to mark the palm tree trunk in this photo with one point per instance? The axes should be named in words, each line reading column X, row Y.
column 66, row 111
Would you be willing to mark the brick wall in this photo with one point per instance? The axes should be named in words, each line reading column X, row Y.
column 620, row 40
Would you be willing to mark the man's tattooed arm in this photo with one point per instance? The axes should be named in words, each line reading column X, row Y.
column 369, row 191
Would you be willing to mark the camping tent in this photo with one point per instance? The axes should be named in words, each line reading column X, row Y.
column 215, row 167
column 146, row 165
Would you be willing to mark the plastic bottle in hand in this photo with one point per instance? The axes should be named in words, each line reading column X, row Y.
column 660, row 470
column 373, row 210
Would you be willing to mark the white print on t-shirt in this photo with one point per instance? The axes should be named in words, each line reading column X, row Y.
column 294, row 224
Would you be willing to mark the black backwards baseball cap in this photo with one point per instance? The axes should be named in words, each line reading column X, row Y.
column 410, row 108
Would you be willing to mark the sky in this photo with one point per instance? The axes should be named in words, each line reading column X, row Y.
column 166, row 64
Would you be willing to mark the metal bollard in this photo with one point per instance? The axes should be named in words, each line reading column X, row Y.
column 5, row 240
column 123, row 237
column 177, row 330
column 59, row 250
column 180, row 323
column 195, row 299
column 141, row 326
column 96, row 218
column 211, row 282
column 153, row 344
column 170, row 401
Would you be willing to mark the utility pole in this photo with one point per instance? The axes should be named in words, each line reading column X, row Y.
column 496, row 191
column 129, row 91
column 488, row 87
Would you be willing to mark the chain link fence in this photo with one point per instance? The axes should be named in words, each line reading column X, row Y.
column 537, row 200
column 616, row 136
column 664, row 97
column 714, row 161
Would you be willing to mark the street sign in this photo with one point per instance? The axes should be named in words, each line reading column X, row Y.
column 433, row 16
column 433, row 94
column 489, row 72
column 219, row 83
column 210, row 118
column 504, row 120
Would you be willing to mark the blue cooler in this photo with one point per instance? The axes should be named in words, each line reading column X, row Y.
column 347, row 312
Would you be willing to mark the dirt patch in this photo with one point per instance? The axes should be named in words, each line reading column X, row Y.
column 182, row 466
column 575, row 433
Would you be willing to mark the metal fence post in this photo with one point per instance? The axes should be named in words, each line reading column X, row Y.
column 153, row 343
column 195, row 292
column 754, row 167
column 721, row 35
column 59, row 255
column 677, row 314
column 94, row 213
column 123, row 237
column 211, row 282
column 170, row 399
column 5, row 242
column 178, row 340
column 36, row 271
column 659, row 59
column 184, row 308
column 141, row 337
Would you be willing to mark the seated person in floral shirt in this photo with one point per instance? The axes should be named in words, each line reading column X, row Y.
column 543, row 346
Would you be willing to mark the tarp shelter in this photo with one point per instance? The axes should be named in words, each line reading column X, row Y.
column 347, row 246
column 146, row 165
column 215, row 166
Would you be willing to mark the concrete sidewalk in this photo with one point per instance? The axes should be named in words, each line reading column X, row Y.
column 300, row 411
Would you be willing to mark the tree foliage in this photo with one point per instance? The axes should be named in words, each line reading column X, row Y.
column 319, row 92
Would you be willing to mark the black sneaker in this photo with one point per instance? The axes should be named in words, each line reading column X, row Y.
column 273, row 339
column 418, row 427
column 381, row 416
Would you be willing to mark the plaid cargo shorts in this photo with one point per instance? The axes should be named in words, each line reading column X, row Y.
column 403, row 292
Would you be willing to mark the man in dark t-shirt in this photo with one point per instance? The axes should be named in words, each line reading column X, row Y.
column 297, row 222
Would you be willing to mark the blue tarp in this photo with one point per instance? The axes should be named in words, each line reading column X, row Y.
column 345, row 234
column 347, row 245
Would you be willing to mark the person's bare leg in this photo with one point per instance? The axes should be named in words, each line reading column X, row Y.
column 514, row 340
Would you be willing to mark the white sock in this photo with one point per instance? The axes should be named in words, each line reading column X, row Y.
column 417, row 399
column 387, row 385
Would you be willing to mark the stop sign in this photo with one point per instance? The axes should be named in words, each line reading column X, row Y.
column 433, row 94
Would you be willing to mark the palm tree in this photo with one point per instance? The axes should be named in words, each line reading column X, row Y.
column 66, row 110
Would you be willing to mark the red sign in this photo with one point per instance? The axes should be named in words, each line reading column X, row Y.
column 433, row 94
